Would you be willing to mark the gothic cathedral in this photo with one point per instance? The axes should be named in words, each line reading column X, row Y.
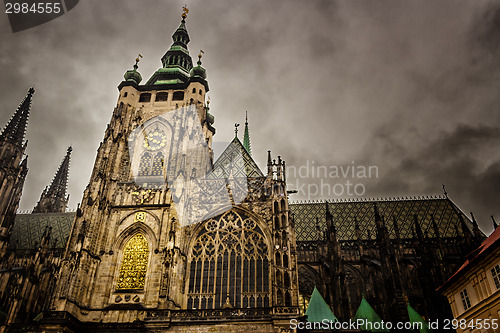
column 167, row 239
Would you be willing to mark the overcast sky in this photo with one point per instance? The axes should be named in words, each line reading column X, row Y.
column 411, row 87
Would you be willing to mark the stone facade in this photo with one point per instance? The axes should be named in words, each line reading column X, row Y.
column 166, row 239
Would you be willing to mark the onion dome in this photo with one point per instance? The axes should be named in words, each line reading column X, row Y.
column 198, row 71
column 133, row 74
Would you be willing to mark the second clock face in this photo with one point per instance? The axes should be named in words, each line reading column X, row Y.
column 155, row 140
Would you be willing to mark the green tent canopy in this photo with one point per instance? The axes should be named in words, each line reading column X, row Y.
column 366, row 313
column 416, row 318
column 318, row 310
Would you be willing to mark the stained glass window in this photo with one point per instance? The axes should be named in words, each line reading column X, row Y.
column 134, row 263
column 229, row 264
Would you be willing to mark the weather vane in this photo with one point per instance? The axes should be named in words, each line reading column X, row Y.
column 185, row 11
column 200, row 54
column 137, row 59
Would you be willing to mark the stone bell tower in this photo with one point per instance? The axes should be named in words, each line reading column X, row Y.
column 159, row 220
column 157, row 132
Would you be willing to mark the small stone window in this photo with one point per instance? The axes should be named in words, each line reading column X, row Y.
column 200, row 92
column 125, row 94
column 178, row 96
column 465, row 299
column 495, row 272
column 194, row 90
column 146, row 97
column 161, row 96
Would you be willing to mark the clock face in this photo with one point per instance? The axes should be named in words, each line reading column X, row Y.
column 155, row 140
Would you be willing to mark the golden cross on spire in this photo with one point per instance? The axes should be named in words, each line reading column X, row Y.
column 185, row 11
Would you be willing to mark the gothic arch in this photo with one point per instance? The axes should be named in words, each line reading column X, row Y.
column 134, row 263
column 355, row 287
column 308, row 278
column 131, row 230
column 229, row 263
column 137, row 225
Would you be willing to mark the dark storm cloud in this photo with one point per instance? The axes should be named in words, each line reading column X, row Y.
column 411, row 87
column 464, row 159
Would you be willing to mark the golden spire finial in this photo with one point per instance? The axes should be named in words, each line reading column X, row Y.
column 137, row 59
column 185, row 11
column 200, row 54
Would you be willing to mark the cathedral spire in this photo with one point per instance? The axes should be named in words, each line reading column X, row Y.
column 53, row 198
column 176, row 63
column 246, row 137
column 14, row 131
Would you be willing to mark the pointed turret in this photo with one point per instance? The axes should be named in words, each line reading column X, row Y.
column 53, row 198
column 13, row 167
column 437, row 234
column 16, row 128
column 396, row 227
column 246, row 137
column 269, row 164
column 418, row 230
column 475, row 228
column 378, row 219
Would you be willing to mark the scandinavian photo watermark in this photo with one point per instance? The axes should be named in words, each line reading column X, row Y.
column 311, row 180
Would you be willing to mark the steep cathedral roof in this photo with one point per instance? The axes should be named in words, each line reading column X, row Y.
column 15, row 130
column 28, row 229
column 442, row 210
column 53, row 198
column 236, row 162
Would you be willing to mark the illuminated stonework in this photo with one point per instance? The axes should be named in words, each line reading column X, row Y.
column 229, row 265
column 134, row 264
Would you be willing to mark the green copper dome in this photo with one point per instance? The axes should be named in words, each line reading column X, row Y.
column 133, row 74
column 198, row 71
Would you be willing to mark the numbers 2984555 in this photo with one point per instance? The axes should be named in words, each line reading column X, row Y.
column 36, row 8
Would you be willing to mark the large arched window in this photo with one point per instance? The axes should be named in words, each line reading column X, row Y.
column 134, row 264
column 229, row 264
column 151, row 164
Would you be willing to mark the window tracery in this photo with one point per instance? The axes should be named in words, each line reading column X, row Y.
column 158, row 162
column 132, row 274
column 145, row 164
column 229, row 264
